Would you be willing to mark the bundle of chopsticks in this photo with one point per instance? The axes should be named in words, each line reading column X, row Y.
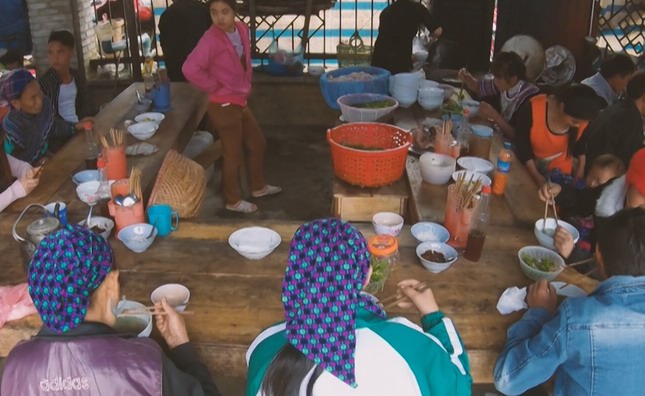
column 135, row 182
column 151, row 309
column 117, row 138
column 398, row 298
column 549, row 202
column 446, row 130
column 467, row 190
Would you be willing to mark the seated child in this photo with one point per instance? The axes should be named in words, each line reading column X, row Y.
column 579, row 206
column 30, row 121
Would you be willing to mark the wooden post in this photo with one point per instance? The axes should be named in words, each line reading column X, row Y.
column 133, row 39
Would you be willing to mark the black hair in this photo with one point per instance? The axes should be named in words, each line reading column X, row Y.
column 621, row 241
column 609, row 161
column 636, row 86
column 12, row 56
column 287, row 371
column 619, row 64
column 581, row 102
column 507, row 65
column 62, row 36
column 230, row 3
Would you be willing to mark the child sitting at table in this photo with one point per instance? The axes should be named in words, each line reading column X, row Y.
column 580, row 206
column 17, row 178
column 509, row 84
column 30, row 121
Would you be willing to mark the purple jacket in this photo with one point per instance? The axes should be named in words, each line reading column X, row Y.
column 94, row 360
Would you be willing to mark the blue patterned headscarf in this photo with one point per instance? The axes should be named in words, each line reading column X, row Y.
column 13, row 84
column 321, row 292
column 66, row 268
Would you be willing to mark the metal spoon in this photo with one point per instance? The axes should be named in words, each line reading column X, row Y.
column 89, row 217
column 152, row 231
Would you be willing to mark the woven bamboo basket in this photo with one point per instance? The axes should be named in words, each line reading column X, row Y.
column 180, row 183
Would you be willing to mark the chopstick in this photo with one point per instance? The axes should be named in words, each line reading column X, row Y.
column 116, row 139
column 591, row 271
column 394, row 300
column 585, row 261
column 150, row 310
column 41, row 166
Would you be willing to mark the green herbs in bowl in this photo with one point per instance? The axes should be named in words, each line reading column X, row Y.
column 379, row 104
column 380, row 271
column 538, row 262
column 543, row 264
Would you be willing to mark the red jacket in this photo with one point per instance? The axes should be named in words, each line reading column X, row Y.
column 214, row 66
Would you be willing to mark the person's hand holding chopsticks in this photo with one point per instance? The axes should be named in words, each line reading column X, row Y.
column 171, row 326
column 423, row 301
column 563, row 242
column 30, row 180
column 542, row 294
column 549, row 191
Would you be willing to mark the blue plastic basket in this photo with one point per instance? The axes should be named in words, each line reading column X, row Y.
column 332, row 90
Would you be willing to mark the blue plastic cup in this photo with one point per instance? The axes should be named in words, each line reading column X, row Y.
column 162, row 216
column 62, row 211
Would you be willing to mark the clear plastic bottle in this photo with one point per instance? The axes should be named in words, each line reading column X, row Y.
column 502, row 169
column 477, row 233
column 91, row 145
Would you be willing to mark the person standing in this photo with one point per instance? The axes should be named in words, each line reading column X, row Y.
column 61, row 84
column 221, row 66
column 180, row 27
column 398, row 24
column 611, row 80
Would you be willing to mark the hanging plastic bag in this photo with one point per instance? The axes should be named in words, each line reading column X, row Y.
column 283, row 63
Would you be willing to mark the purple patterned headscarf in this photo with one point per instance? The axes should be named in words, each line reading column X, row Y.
column 321, row 291
column 66, row 268
column 12, row 86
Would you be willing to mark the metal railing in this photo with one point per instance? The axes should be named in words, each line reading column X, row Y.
column 326, row 29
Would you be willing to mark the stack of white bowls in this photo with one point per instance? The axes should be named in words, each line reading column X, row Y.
column 404, row 87
column 430, row 98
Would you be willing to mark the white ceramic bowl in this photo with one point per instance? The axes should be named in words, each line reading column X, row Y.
column 430, row 93
column 471, row 108
column 436, row 168
column 254, row 243
column 448, row 251
column 426, row 231
column 545, row 238
column 539, row 252
column 430, row 105
column 316, row 70
column 476, row 164
column 85, row 176
column 134, row 236
column 428, row 84
column 128, row 324
column 176, row 294
column 150, row 117
column 101, row 222
column 143, row 130
column 87, row 192
column 474, row 176
column 388, row 223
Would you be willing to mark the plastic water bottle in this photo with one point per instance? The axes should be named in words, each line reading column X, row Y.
column 477, row 233
column 502, row 168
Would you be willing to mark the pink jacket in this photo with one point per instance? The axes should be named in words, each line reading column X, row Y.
column 15, row 191
column 214, row 66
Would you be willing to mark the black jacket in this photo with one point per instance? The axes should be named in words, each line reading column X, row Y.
column 180, row 28
column 617, row 130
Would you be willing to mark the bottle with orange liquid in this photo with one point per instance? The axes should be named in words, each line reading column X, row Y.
column 502, row 168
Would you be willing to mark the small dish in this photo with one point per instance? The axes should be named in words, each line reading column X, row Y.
column 140, row 324
column 143, row 130
column 85, row 176
column 448, row 251
column 388, row 223
column 150, row 117
column 87, row 192
column 476, row 164
column 135, row 237
column 426, row 231
column 176, row 294
column 254, row 243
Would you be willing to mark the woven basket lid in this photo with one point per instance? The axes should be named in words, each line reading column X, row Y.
column 181, row 183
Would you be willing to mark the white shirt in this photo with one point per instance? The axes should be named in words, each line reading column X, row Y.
column 67, row 102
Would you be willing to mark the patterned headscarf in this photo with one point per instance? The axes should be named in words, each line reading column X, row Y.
column 12, row 86
column 321, row 291
column 66, row 268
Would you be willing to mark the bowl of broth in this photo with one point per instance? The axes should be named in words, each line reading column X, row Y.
column 544, row 231
column 139, row 324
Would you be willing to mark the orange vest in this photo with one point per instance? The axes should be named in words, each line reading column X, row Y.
column 549, row 149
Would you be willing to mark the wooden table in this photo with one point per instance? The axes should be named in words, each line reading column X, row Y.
column 188, row 109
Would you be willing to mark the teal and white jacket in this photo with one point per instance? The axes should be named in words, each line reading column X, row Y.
column 393, row 357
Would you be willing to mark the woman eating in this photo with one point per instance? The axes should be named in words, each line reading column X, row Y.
column 221, row 66
column 337, row 340
column 550, row 132
column 509, row 84
column 30, row 121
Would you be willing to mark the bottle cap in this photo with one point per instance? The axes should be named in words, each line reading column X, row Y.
column 88, row 124
column 507, row 145
column 382, row 245
column 486, row 190
column 100, row 163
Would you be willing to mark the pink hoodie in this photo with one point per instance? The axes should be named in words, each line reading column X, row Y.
column 214, row 66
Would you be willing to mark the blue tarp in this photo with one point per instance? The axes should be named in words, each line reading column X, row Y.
column 14, row 26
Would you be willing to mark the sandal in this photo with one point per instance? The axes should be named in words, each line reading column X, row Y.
column 242, row 207
column 267, row 190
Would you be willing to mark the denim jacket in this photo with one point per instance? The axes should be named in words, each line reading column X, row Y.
column 594, row 345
